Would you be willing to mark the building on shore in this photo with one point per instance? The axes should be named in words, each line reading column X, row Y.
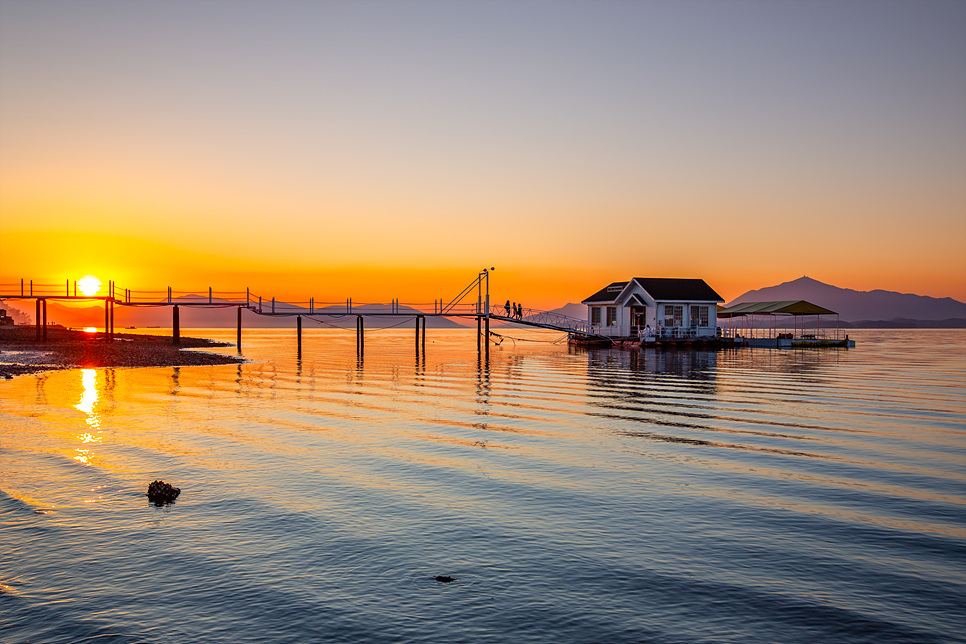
column 648, row 309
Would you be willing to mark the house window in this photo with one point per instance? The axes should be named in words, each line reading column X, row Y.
column 595, row 316
column 673, row 315
column 699, row 316
column 611, row 315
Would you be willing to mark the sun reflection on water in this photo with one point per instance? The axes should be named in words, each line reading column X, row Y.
column 88, row 404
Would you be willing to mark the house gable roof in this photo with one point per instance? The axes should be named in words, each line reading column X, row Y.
column 678, row 289
column 609, row 293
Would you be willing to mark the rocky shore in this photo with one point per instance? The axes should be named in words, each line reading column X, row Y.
column 21, row 353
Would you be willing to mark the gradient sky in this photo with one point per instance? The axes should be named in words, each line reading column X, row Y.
column 393, row 149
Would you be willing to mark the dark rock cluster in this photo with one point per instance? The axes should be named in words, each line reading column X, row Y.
column 444, row 578
column 160, row 492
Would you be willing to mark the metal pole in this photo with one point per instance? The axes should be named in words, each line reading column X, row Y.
column 486, row 339
column 176, row 326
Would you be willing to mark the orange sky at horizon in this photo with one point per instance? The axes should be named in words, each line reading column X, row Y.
column 323, row 150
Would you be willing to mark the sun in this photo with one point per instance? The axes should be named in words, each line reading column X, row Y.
column 89, row 285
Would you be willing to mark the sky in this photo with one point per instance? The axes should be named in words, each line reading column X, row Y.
column 380, row 150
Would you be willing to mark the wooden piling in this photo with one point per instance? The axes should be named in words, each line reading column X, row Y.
column 360, row 335
column 175, row 325
column 111, row 334
column 107, row 321
column 44, row 335
column 298, row 326
column 479, row 332
column 238, row 334
column 37, row 321
column 417, row 334
column 424, row 334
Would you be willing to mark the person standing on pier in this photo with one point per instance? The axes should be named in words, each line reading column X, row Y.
column 507, row 307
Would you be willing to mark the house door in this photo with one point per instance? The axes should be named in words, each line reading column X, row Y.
column 637, row 318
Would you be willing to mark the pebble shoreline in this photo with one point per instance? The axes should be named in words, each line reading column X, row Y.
column 21, row 353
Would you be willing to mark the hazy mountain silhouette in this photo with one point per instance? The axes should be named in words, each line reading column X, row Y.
column 856, row 306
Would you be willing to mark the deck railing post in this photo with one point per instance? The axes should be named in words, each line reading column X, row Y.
column 169, row 295
column 273, row 305
column 209, row 295
column 247, row 296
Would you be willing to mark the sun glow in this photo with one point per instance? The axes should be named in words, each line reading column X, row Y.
column 89, row 285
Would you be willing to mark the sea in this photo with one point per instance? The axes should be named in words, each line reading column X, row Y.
column 572, row 495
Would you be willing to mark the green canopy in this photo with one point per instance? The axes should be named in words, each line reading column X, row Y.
column 786, row 307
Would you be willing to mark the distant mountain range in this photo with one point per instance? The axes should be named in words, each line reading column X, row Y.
column 866, row 308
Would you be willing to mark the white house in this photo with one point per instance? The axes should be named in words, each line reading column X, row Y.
column 649, row 306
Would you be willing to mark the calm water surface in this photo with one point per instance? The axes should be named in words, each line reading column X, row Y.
column 576, row 496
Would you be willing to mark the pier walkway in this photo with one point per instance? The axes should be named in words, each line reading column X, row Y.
column 472, row 302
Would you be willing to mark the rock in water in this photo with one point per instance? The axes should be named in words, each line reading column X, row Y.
column 160, row 492
column 444, row 578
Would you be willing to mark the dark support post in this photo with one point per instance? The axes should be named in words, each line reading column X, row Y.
column 238, row 335
column 45, row 321
column 37, row 321
column 298, row 326
column 479, row 332
column 486, row 337
column 107, row 321
column 360, row 335
column 417, row 335
column 424, row 334
column 111, row 337
column 176, row 325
